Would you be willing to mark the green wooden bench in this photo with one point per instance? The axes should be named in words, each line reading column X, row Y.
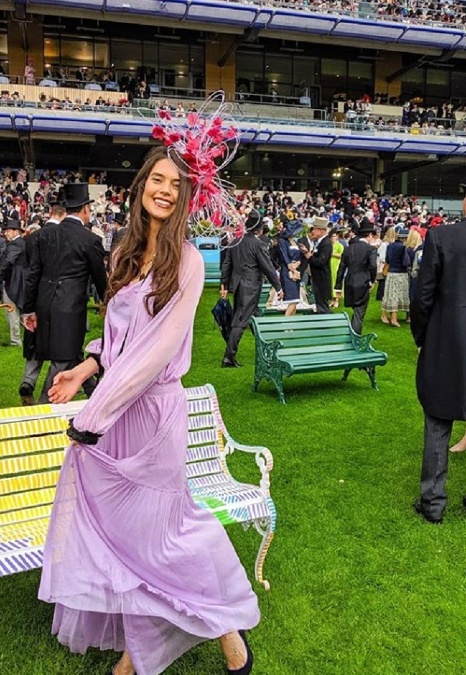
column 310, row 344
column 212, row 273
column 266, row 310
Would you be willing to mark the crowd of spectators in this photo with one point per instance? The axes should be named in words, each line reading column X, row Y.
column 32, row 209
column 439, row 12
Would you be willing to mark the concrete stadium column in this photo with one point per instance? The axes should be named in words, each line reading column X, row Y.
column 378, row 182
column 25, row 40
column 216, row 77
column 388, row 63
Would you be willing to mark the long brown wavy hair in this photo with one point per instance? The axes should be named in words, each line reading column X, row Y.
column 166, row 263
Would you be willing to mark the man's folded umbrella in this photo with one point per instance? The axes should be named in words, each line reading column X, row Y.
column 223, row 313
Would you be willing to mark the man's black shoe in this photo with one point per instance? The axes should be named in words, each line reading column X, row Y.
column 230, row 363
column 418, row 507
column 464, row 501
column 26, row 392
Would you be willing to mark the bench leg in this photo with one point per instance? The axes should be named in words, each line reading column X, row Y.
column 278, row 382
column 370, row 370
column 264, row 529
column 345, row 374
column 257, row 381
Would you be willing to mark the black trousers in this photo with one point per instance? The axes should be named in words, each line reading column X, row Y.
column 437, row 433
column 359, row 313
column 244, row 306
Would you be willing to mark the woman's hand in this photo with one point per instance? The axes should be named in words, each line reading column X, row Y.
column 65, row 385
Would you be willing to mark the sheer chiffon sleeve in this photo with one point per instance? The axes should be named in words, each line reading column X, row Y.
column 148, row 353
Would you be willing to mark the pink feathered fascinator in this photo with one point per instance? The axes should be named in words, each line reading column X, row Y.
column 205, row 141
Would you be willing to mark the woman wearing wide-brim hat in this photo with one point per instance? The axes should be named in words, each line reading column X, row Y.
column 396, row 294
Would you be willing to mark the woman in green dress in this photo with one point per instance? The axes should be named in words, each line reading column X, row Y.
column 337, row 252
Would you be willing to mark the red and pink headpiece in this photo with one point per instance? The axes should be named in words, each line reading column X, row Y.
column 205, row 141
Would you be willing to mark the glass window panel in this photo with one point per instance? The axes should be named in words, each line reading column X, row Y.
column 101, row 54
column 52, row 50
column 250, row 72
column 333, row 67
column 151, row 54
column 126, row 54
column 306, row 70
column 174, row 57
column 360, row 70
column 458, row 85
column 438, row 77
column 77, row 52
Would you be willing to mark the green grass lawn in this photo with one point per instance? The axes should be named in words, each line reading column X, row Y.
column 359, row 583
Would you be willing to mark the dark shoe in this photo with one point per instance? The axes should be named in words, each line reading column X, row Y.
column 418, row 507
column 26, row 391
column 230, row 363
column 246, row 669
column 464, row 501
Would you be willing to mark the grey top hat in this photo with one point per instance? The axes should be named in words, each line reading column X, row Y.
column 76, row 195
column 320, row 223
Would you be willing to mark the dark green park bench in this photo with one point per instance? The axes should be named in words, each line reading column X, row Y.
column 310, row 344
column 212, row 273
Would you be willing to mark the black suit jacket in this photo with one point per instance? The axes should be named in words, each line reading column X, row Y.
column 319, row 265
column 438, row 323
column 360, row 262
column 13, row 270
column 65, row 256
column 243, row 271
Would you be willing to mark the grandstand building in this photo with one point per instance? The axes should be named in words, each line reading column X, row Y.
column 70, row 74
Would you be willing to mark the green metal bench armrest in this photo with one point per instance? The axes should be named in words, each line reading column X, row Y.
column 362, row 343
column 268, row 350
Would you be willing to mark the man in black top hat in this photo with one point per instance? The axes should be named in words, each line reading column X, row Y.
column 359, row 262
column 119, row 230
column 12, row 275
column 243, row 269
column 56, row 288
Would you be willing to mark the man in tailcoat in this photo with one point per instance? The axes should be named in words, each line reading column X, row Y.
column 243, row 270
column 318, row 259
column 56, row 296
column 438, row 325
column 33, row 366
column 359, row 262
column 12, row 275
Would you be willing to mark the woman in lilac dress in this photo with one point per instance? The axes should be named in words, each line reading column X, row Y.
column 130, row 561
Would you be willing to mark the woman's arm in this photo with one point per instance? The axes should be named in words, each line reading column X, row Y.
column 148, row 354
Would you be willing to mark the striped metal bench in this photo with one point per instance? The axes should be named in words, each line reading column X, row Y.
column 32, row 445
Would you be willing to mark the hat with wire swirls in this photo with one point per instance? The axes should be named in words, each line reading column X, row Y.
column 205, row 142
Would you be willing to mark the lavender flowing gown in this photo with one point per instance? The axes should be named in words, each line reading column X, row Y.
column 130, row 560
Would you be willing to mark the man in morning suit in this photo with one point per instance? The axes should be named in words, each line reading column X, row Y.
column 12, row 275
column 56, row 295
column 243, row 270
column 318, row 259
column 359, row 262
column 438, row 325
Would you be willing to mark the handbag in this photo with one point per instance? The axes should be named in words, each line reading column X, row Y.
column 385, row 269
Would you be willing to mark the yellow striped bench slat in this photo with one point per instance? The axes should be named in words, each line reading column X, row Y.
column 37, row 427
column 30, row 463
column 32, row 481
column 36, row 530
column 26, row 411
column 25, row 515
column 23, row 446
